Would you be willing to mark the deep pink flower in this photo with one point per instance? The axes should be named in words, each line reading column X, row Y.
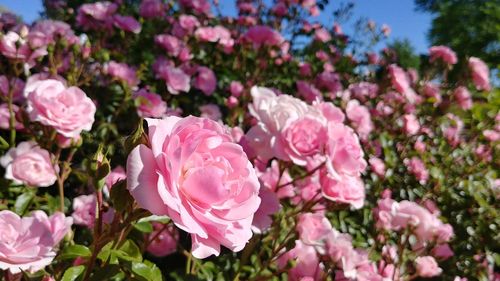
column 152, row 9
column 127, row 23
column 202, row 180
column 5, row 117
column 177, row 80
column 28, row 243
column 170, row 43
column 308, row 91
column 263, row 35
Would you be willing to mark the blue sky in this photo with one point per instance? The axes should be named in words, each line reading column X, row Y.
column 400, row 15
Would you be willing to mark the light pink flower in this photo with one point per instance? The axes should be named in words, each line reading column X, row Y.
column 411, row 126
column 36, row 79
column 304, row 138
column 116, row 175
column 170, row 43
column 263, row 35
column 199, row 6
column 343, row 189
column 149, row 104
column 202, row 180
column 443, row 53
column 432, row 90
column 442, row 252
column 17, row 88
column 5, row 117
column 453, row 130
column 314, row 230
column 417, row 168
column 490, row 135
column 271, row 178
column 28, row 243
column 176, row 79
column 68, row 110
column 127, row 23
column 322, row 35
column 122, row 72
column 329, row 81
column 480, row 74
column 96, row 15
column 29, row 164
column 398, row 78
column 377, row 166
column 363, row 90
column 45, row 32
column 210, row 111
column 360, row 117
column 269, row 205
column 205, row 80
column 427, row 267
column 218, row 34
column 84, row 211
column 463, row 97
column 164, row 240
column 306, row 262
column 344, row 151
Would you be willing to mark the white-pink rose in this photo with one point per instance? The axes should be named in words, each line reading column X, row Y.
column 192, row 171
column 427, row 267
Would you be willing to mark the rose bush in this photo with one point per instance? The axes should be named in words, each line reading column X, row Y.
column 138, row 137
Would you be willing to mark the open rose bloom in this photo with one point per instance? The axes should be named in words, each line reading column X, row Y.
column 28, row 243
column 192, row 171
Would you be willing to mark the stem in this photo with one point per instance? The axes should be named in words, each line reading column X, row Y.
column 188, row 263
column 311, row 172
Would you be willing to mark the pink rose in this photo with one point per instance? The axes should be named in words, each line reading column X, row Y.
column 480, row 74
column 306, row 262
column 314, row 229
column 490, row 135
column 345, row 153
column 5, row 117
column 304, row 138
column 236, row 88
column 149, row 104
column 269, row 205
column 36, row 79
column 263, row 35
column 188, row 22
column 218, row 34
column 84, row 211
column 199, row 6
column 17, row 88
column 442, row 252
column 343, row 189
column 163, row 240
column 329, row 81
column 463, row 97
column 427, row 267
column 29, row 164
column 177, row 80
column 363, row 90
column 432, row 90
column 210, row 111
column 453, row 130
column 205, row 80
column 443, row 53
column 411, row 126
column 203, row 181
column 68, row 110
column 322, row 35
column 116, row 175
column 417, row 168
column 96, row 15
column 28, row 243
column 127, row 23
column 308, row 91
column 14, row 47
column 399, row 79
column 170, row 43
column 377, row 166
column 152, row 9
column 360, row 117
column 122, row 72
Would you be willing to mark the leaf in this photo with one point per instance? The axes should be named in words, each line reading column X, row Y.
column 74, row 251
column 22, row 202
column 129, row 251
column 120, row 196
column 145, row 227
column 72, row 273
column 136, row 138
column 147, row 271
column 162, row 219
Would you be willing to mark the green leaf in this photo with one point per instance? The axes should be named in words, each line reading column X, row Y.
column 136, row 138
column 129, row 251
column 146, row 271
column 72, row 273
column 145, row 227
column 75, row 251
column 120, row 196
column 22, row 202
